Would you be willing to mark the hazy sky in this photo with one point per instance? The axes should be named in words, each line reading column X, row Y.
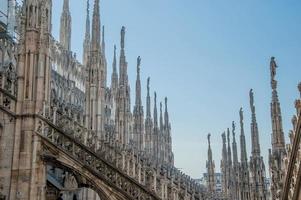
column 204, row 55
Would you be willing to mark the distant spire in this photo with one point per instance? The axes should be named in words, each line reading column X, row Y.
column 122, row 37
column 224, row 165
column 155, row 111
column 166, row 116
column 96, row 27
column 161, row 117
column 87, row 44
column 243, row 146
column 123, row 80
column 209, row 147
column 210, row 168
column 278, row 141
column 114, row 79
column 148, row 106
column 138, row 83
column 87, row 34
column 65, row 26
column 234, row 145
column 254, row 127
column 229, row 148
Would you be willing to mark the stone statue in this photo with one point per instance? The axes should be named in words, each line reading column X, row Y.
column 241, row 116
column 251, row 99
column 208, row 136
column 233, row 129
column 273, row 67
column 138, row 64
column 148, row 80
column 299, row 87
column 122, row 37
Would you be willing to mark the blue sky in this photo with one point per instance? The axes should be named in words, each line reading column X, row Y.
column 204, row 56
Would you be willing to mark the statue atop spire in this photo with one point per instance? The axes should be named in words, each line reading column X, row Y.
column 148, row 107
column 299, row 87
column 251, row 94
column 273, row 67
column 208, row 137
column 138, row 65
column 233, row 129
column 122, row 37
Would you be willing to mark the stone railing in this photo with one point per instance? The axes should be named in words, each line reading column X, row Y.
column 165, row 181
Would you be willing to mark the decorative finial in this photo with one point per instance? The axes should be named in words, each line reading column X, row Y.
column 155, row 97
column 115, row 51
column 122, row 37
column 166, row 102
column 299, row 87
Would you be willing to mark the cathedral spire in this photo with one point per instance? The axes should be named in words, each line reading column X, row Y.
column 148, row 106
column 138, row 83
column 86, row 45
column 224, row 164
column 155, row 111
column 244, row 177
column 65, row 27
column 87, row 33
column 254, row 127
column 234, row 145
column 278, row 142
column 96, row 27
column 114, row 79
column 210, row 168
column 243, row 146
column 161, row 117
column 166, row 116
column 103, row 44
column 123, row 80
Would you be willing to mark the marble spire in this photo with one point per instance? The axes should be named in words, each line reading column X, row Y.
column 65, row 27
column 254, row 127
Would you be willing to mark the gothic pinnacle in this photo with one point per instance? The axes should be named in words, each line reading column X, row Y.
column 166, row 116
column 148, row 109
column 114, row 61
column 87, row 34
column 273, row 67
column 254, row 127
column 138, row 84
column 155, row 111
column 103, row 44
column 161, row 117
column 243, row 148
column 65, row 27
column 122, row 37
column 96, row 27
